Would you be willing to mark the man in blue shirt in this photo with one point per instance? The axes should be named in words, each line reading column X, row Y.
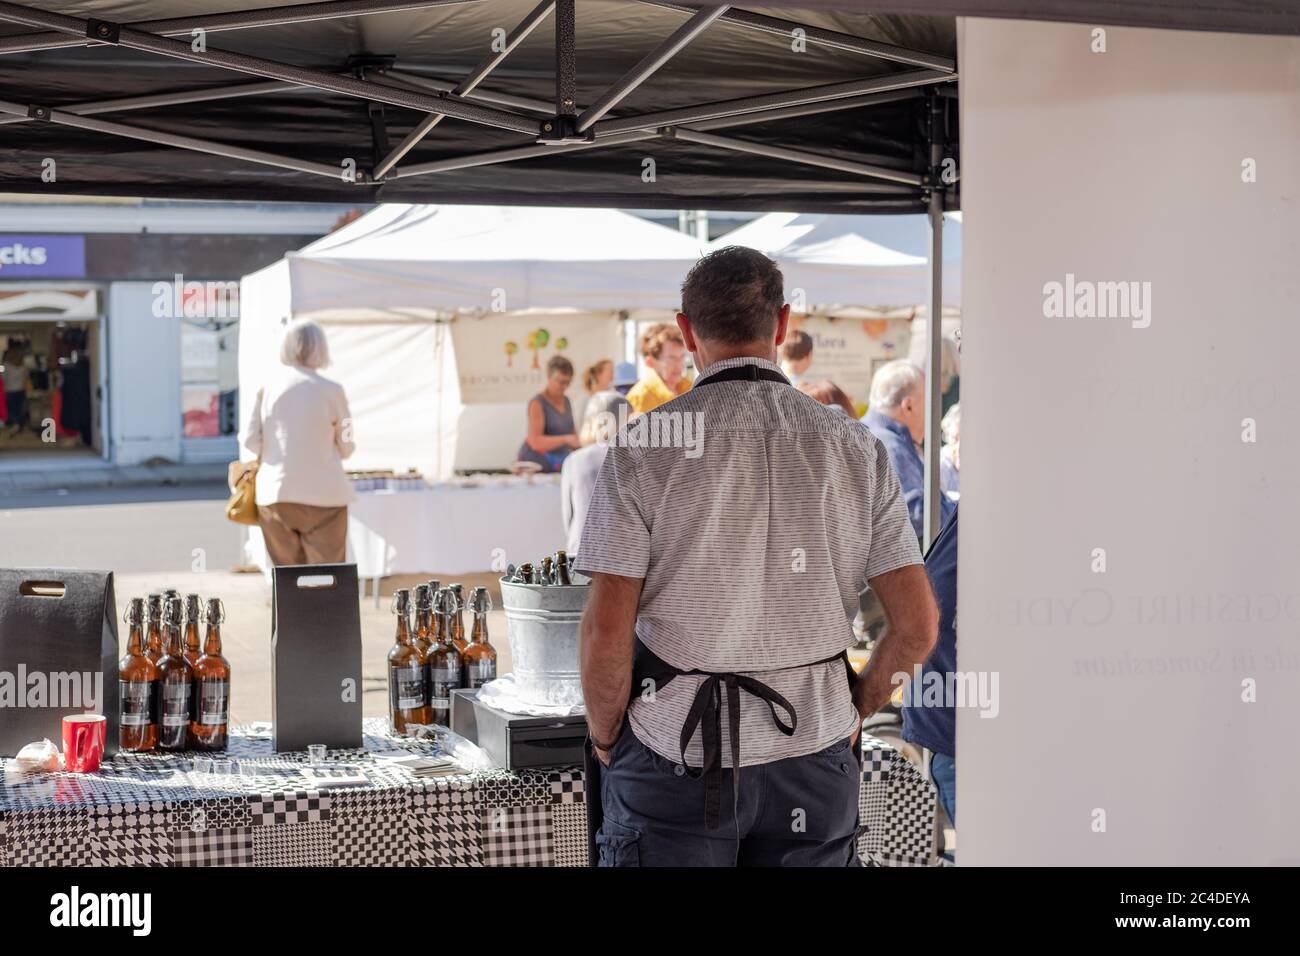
column 935, row 728
column 897, row 417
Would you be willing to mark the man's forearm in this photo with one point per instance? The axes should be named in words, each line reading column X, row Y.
column 605, row 644
column 911, row 631
column 897, row 652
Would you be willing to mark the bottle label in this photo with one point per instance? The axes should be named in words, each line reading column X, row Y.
column 479, row 673
column 177, row 701
column 406, row 687
column 139, row 702
column 214, row 702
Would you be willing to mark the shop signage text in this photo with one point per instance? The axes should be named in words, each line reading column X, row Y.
column 42, row 257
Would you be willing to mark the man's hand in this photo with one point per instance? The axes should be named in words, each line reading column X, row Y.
column 601, row 755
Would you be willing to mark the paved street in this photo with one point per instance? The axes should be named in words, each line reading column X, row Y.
column 155, row 538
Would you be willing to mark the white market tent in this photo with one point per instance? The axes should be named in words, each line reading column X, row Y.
column 873, row 262
column 386, row 286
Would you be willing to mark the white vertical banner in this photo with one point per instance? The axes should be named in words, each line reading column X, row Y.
column 1130, row 530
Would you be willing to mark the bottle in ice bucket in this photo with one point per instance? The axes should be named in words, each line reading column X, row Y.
column 562, row 569
column 193, row 604
column 480, row 655
column 406, row 672
column 458, row 619
column 137, row 724
column 525, row 573
column 444, row 660
column 153, row 627
column 548, row 569
column 175, row 682
column 211, row 725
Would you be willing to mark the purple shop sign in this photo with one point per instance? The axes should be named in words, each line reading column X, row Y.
column 42, row 257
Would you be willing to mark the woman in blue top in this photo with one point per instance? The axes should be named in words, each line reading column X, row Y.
column 551, row 433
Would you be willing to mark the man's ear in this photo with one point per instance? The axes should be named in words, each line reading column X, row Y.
column 782, row 320
column 684, row 324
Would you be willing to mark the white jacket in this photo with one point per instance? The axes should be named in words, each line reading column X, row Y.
column 301, row 428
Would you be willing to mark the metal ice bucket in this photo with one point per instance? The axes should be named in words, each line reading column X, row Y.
column 542, row 627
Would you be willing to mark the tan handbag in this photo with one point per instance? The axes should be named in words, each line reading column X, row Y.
column 242, row 478
column 242, row 506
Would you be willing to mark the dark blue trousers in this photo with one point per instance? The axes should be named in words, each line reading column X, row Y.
column 802, row 811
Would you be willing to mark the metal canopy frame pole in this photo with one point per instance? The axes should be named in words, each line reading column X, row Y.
column 819, row 37
column 769, row 101
column 270, row 69
column 566, row 57
column 934, row 327
column 467, row 85
column 234, row 20
column 700, row 21
column 128, row 103
column 798, row 156
column 446, row 86
column 170, row 139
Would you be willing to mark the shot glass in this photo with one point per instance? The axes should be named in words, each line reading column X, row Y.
column 316, row 753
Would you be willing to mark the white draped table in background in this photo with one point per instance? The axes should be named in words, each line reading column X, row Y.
column 457, row 527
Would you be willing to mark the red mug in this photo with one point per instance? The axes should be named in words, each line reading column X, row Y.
column 84, row 736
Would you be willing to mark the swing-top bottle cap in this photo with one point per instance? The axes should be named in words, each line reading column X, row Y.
column 134, row 611
column 215, row 612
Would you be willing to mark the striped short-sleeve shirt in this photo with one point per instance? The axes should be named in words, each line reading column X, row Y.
column 755, row 517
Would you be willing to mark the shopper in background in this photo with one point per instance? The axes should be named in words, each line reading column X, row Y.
column 950, row 453
column 719, row 700
column 551, row 435
column 935, row 726
column 624, row 377
column 796, row 357
column 15, row 379
column 301, row 430
column 897, row 417
column 664, row 352
column 828, row 393
column 599, row 377
column 578, row 474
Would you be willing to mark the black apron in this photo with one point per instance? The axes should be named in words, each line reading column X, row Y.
column 705, row 713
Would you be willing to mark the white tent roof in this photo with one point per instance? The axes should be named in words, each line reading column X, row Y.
column 404, row 260
column 865, row 261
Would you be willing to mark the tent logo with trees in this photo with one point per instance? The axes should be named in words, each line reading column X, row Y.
column 537, row 340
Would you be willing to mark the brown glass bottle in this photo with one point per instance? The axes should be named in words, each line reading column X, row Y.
column 444, row 660
column 193, row 651
column 480, row 656
column 458, row 618
column 423, row 632
column 547, row 572
column 211, row 726
column 526, row 573
column 175, row 683
column 562, row 569
column 407, row 671
column 153, row 627
column 137, row 724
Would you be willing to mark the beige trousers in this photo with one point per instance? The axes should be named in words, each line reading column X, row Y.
column 304, row 534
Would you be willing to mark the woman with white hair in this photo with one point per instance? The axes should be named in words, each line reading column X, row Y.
column 600, row 425
column 300, row 429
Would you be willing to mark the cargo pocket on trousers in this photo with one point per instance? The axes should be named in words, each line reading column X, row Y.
column 619, row 845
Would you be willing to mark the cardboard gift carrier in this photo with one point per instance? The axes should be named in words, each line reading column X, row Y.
column 316, row 657
column 58, row 653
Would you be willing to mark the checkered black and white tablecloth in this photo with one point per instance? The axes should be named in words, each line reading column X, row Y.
column 156, row 810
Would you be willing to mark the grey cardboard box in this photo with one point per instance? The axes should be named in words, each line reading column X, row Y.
column 58, row 653
column 516, row 741
column 315, row 657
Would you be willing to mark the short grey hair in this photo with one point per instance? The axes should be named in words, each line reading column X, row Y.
column 305, row 346
column 600, row 420
column 893, row 382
